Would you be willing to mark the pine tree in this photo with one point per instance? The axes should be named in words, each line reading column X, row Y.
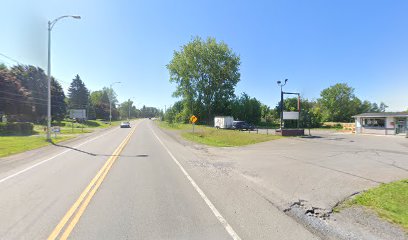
column 78, row 94
column 58, row 105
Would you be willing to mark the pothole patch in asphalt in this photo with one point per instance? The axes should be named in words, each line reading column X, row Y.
column 309, row 210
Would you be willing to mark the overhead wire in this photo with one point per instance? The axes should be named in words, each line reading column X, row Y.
column 19, row 95
column 18, row 62
column 25, row 101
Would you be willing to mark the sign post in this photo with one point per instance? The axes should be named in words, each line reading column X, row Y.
column 193, row 120
column 55, row 130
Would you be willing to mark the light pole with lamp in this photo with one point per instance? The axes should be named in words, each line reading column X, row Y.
column 50, row 26
column 110, row 102
column 281, row 101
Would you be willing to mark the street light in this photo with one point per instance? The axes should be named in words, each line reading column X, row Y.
column 50, row 26
column 110, row 102
column 281, row 102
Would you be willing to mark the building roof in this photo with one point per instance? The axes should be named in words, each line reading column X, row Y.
column 383, row 114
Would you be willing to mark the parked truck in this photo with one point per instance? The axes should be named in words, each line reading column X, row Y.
column 223, row 122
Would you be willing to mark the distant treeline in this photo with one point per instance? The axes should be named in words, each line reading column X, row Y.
column 23, row 97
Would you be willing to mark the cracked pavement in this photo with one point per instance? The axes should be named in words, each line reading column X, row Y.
column 312, row 174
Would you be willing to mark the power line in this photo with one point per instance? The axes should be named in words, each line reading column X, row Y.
column 34, row 103
column 19, row 95
column 12, row 59
column 26, row 102
column 35, row 91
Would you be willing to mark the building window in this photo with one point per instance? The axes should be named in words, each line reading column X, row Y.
column 374, row 122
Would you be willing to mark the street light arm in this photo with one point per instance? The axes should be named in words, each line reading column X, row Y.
column 113, row 84
column 52, row 23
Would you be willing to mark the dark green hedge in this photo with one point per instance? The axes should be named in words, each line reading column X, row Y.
column 16, row 128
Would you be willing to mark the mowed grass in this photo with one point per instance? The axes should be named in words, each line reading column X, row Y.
column 175, row 126
column 389, row 201
column 67, row 127
column 16, row 144
column 218, row 137
column 12, row 144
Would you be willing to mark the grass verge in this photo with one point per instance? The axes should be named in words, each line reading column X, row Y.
column 16, row 144
column 175, row 126
column 12, row 144
column 389, row 201
column 218, row 137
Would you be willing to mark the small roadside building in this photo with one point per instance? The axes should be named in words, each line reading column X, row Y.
column 385, row 123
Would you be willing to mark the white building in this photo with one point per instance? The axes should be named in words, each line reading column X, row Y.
column 386, row 123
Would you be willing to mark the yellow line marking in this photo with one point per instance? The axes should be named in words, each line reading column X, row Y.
column 96, row 182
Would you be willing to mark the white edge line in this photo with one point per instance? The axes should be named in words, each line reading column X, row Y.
column 217, row 214
column 49, row 159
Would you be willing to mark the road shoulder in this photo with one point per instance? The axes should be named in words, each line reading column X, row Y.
column 301, row 186
column 251, row 214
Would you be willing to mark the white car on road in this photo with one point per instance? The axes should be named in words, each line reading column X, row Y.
column 125, row 125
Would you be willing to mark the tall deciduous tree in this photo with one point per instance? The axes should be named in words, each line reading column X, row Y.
column 78, row 94
column 99, row 101
column 35, row 81
column 247, row 109
column 126, row 109
column 339, row 103
column 14, row 98
column 206, row 73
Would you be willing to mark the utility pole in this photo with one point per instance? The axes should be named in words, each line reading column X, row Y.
column 50, row 26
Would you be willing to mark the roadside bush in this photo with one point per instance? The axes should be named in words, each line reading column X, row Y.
column 18, row 128
column 181, row 118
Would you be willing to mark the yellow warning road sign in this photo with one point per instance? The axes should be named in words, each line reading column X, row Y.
column 193, row 119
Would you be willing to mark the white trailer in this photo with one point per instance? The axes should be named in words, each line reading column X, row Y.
column 223, row 122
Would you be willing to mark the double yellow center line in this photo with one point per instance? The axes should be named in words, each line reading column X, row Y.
column 73, row 215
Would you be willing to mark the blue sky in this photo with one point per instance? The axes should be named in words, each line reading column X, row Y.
column 314, row 44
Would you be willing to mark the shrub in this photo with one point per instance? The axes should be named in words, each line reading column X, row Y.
column 16, row 128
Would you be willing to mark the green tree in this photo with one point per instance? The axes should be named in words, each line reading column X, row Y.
column 206, row 73
column 339, row 103
column 36, row 82
column 383, row 107
column 247, row 109
column 99, row 101
column 126, row 110
column 58, row 105
column 149, row 112
column 78, row 94
column 112, row 96
column 268, row 115
column 173, row 111
column 14, row 98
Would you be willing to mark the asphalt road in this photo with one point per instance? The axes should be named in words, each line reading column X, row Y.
column 130, row 184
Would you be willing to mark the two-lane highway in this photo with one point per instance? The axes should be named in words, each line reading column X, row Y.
column 135, row 183
column 123, row 185
column 146, row 196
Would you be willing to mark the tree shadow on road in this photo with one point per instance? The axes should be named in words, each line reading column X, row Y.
column 98, row 154
column 312, row 137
